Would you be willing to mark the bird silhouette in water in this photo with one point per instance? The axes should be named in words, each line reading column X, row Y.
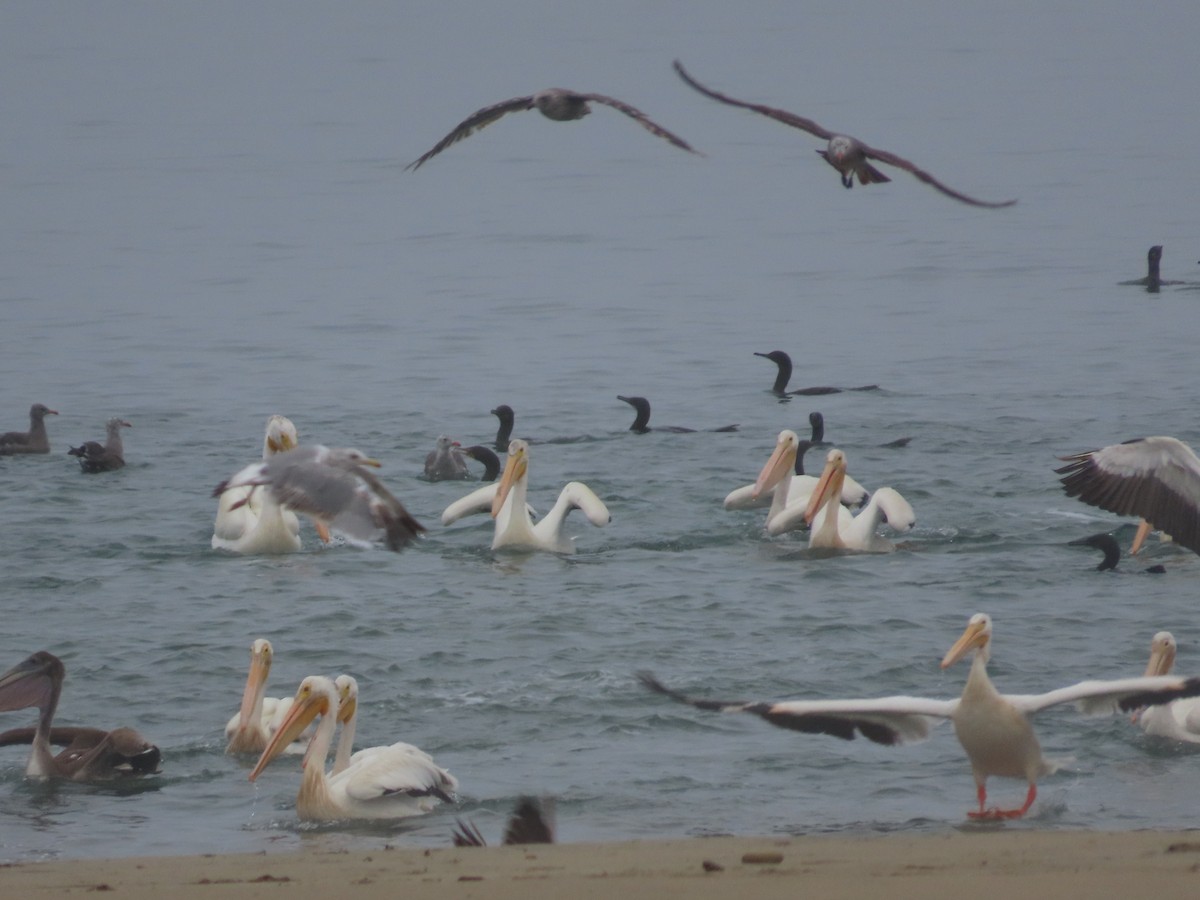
column 783, row 374
column 1107, row 544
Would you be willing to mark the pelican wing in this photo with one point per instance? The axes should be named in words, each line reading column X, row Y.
column 478, row 501
column 396, row 770
column 1157, row 478
column 901, row 163
column 885, row 720
column 481, row 118
column 582, row 497
column 642, row 119
column 1106, row 697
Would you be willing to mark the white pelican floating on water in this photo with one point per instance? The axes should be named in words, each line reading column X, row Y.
column 831, row 526
column 782, row 481
column 1157, row 478
column 259, row 716
column 1179, row 721
column 379, row 783
column 506, row 502
column 251, row 521
column 993, row 728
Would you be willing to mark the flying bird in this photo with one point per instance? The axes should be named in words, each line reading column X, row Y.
column 846, row 154
column 557, row 104
column 993, row 728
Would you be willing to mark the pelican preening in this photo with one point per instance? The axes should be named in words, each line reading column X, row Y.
column 1180, row 720
column 259, row 717
column 846, row 154
column 92, row 754
column 832, row 527
column 332, row 486
column 252, row 521
column 782, row 482
column 506, row 502
column 993, row 728
column 96, row 457
column 378, row 783
column 35, row 440
column 554, row 103
column 783, row 374
column 641, row 421
column 446, row 462
column 531, row 822
column 1157, row 478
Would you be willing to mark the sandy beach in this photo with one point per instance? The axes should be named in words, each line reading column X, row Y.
column 985, row 865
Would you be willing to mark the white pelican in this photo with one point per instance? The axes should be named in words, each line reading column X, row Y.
column 557, row 104
column 332, row 486
column 95, row 457
column 993, row 728
column 35, row 440
column 782, row 481
column 831, row 526
column 846, row 154
column 91, row 754
column 344, row 754
column 1179, row 721
column 251, row 521
column 1157, row 478
column 259, row 716
column 506, row 502
column 377, row 784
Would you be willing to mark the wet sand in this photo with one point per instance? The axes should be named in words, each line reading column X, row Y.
column 979, row 865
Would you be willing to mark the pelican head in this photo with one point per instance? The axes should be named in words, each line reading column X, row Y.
column 347, row 688
column 977, row 637
column 317, row 696
column 1162, row 654
column 515, row 468
column 781, row 463
column 281, row 436
column 829, row 485
column 32, row 682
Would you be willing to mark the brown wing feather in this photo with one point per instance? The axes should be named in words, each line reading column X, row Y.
column 901, row 163
column 642, row 119
column 780, row 115
column 472, row 123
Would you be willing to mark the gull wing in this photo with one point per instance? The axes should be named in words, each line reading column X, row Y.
column 780, row 115
column 900, row 162
column 481, row 118
column 642, row 119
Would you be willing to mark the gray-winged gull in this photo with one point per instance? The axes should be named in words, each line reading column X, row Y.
column 846, row 154
column 446, row 462
column 554, row 103
column 96, row 457
column 35, row 440
column 332, row 485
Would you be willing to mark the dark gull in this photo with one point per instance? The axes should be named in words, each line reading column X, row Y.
column 846, row 154
column 332, row 486
column 96, row 457
column 554, row 103
column 446, row 463
column 35, row 440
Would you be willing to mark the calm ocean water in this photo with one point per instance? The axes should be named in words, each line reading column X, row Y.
column 207, row 221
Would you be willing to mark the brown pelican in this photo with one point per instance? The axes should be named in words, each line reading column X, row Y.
column 446, row 463
column 846, row 154
column 35, row 440
column 91, row 754
column 332, row 486
column 96, row 457
column 554, row 103
column 1156, row 478
column 514, row 525
column 531, row 822
column 251, row 521
column 993, row 728
column 379, row 783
